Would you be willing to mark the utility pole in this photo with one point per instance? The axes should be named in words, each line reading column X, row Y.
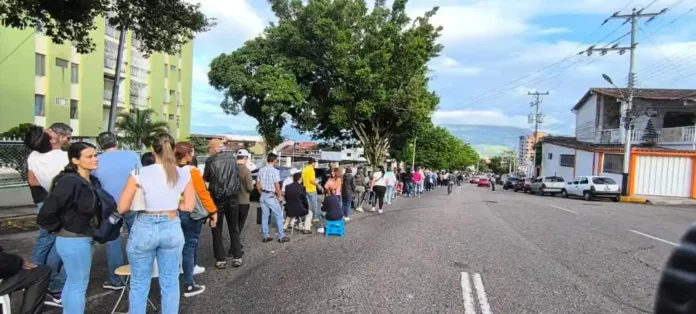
column 117, row 82
column 413, row 160
column 627, row 115
column 537, row 118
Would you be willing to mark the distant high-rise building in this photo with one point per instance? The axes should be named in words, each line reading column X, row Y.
column 42, row 82
column 526, row 149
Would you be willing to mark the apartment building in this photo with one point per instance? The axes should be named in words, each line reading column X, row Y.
column 42, row 82
column 526, row 149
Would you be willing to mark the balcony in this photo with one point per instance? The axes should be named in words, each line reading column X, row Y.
column 112, row 32
column 679, row 135
column 138, row 101
column 107, row 97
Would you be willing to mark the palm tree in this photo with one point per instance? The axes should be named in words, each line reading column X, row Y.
column 137, row 128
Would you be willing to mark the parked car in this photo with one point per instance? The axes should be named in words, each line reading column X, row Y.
column 551, row 185
column 523, row 185
column 483, row 181
column 474, row 180
column 510, row 183
column 591, row 187
column 284, row 174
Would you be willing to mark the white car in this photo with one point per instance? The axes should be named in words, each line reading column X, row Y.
column 550, row 185
column 591, row 187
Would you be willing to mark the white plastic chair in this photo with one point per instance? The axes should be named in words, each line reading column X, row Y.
column 5, row 304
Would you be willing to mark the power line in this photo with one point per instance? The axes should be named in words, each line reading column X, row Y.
column 16, row 48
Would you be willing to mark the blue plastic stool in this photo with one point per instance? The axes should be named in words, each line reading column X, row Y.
column 337, row 227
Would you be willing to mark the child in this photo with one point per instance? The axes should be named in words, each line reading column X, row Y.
column 147, row 159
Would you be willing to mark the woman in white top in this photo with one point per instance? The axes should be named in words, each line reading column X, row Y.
column 157, row 232
column 390, row 180
column 379, row 186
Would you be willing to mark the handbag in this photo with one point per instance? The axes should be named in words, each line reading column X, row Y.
column 138, row 203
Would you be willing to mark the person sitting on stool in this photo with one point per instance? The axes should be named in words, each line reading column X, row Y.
column 332, row 207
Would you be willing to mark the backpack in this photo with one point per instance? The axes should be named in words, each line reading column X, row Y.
column 199, row 212
column 108, row 223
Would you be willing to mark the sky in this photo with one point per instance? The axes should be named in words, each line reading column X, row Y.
column 496, row 51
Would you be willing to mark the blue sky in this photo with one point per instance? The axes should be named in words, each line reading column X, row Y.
column 495, row 52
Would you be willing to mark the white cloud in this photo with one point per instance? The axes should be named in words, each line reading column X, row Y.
column 237, row 16
column 200, row 73
column 449, row 66
column 554, row 31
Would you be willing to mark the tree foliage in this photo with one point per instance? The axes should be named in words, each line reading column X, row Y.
column 438, row 149
column 17, row 132
column 649, row 134
column 336, row 69
column 138, row 129
column 159, row 25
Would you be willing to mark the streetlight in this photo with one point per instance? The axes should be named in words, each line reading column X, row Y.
column 627, row 134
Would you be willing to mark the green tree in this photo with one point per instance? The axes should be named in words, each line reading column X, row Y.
column 437, row 148
column 497, row 165
column 138, row 130
column 649, row 134
column 336, row 69
column 159, row 25
column 200, row 145
column 17, row 132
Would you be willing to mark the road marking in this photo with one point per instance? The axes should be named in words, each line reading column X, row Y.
column 561, row 208
column 654, row 238
column 481, row 293
column 467, row 294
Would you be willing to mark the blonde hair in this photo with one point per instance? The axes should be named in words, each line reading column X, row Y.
column 164, row 149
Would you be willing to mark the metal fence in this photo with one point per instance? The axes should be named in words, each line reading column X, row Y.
column 13, row 162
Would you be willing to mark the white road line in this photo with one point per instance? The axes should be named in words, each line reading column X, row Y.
column 483, row 301
column 654, row 238
column 561, row 208
column 468, row 294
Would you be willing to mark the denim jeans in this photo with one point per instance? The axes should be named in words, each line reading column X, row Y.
column 114, row 252
column 161, row 237
column 410, row 188
column 313, row 201
column 192, row 231
column 347, row 206
column 269, row 203
column 45, row 253
column 390, row 194
column 77, row 254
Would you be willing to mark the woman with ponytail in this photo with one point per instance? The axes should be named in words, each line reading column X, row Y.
column 72, row 212
column 156, row 233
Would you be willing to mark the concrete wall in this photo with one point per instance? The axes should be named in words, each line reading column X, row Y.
column 584, row 163
column 585, row 120
column 552, row 166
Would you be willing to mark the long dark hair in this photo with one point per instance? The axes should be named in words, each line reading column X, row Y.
column 37, row 139
column 164, row 149
column 75, row 151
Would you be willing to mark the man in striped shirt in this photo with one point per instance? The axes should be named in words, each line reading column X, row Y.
column 268, row 185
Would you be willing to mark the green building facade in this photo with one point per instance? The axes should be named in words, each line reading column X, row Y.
column 42, row 82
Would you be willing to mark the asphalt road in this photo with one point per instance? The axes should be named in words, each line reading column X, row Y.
column 473, row 252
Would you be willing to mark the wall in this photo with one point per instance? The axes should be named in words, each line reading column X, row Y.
column 552, row 167
column 584, row 161
column 17, row 82
column 662, row 175
column 585, row 119
column 92, row 84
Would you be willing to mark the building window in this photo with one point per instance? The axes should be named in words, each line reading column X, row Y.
column 177, row 121
column 165, row 96
column 172, row 95
column 166, row 70
column 73, row 109
column 171, row 117
column 39, row 105
column 613, row 163
column 40, row 64
column 74, row 73
column 550, row 156
column 567, row 160
column 61, row 63
column 172, row 68
column 179, row 75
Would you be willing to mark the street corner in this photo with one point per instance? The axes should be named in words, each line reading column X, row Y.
column 634, row 200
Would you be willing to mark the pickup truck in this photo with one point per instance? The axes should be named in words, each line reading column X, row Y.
column 548, row 185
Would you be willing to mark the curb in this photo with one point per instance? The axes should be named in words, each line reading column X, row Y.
column 633, row 199
column 16, row 224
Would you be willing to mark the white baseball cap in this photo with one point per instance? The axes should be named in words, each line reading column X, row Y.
column 294, row 171
column 243, row 153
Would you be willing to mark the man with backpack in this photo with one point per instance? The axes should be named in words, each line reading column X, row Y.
column 222, row 174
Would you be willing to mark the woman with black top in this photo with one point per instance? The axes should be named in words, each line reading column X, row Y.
column 73, row 211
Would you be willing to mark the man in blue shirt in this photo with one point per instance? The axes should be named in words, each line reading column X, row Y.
column 114, row 168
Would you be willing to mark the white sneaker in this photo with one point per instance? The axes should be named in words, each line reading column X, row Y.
column 372, row 210
column 359, row 209
column 198, row 270
column 320, row 230
column 346, row 218
column 380, row 211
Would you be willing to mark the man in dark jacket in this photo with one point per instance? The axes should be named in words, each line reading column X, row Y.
column 19, row 274
column 297, row 205
column 222, row 174
column 332, row 207
column 348, row 190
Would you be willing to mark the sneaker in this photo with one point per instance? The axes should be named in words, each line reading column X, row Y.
column 315, row 220
column 306, row 231
column 198, row 270
column 110, row 286
column 267, row 239
column 237, row 262
column 221, row 264
column 372, row 210
column 53, row 299
column 283, row 240
column 359, row 209
column 380, row 211
column 192, row 290
column 320, row 230
column 346, row 218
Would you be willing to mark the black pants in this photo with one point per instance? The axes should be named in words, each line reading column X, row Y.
column 35, row 285
column 492, row 186
column 236, row 217
column 380, row 191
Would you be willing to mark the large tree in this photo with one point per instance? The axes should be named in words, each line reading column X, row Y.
column 438, row 149
column 336, row 69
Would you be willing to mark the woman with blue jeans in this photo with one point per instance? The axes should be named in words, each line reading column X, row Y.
column 156, row 232
column 72, row 211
